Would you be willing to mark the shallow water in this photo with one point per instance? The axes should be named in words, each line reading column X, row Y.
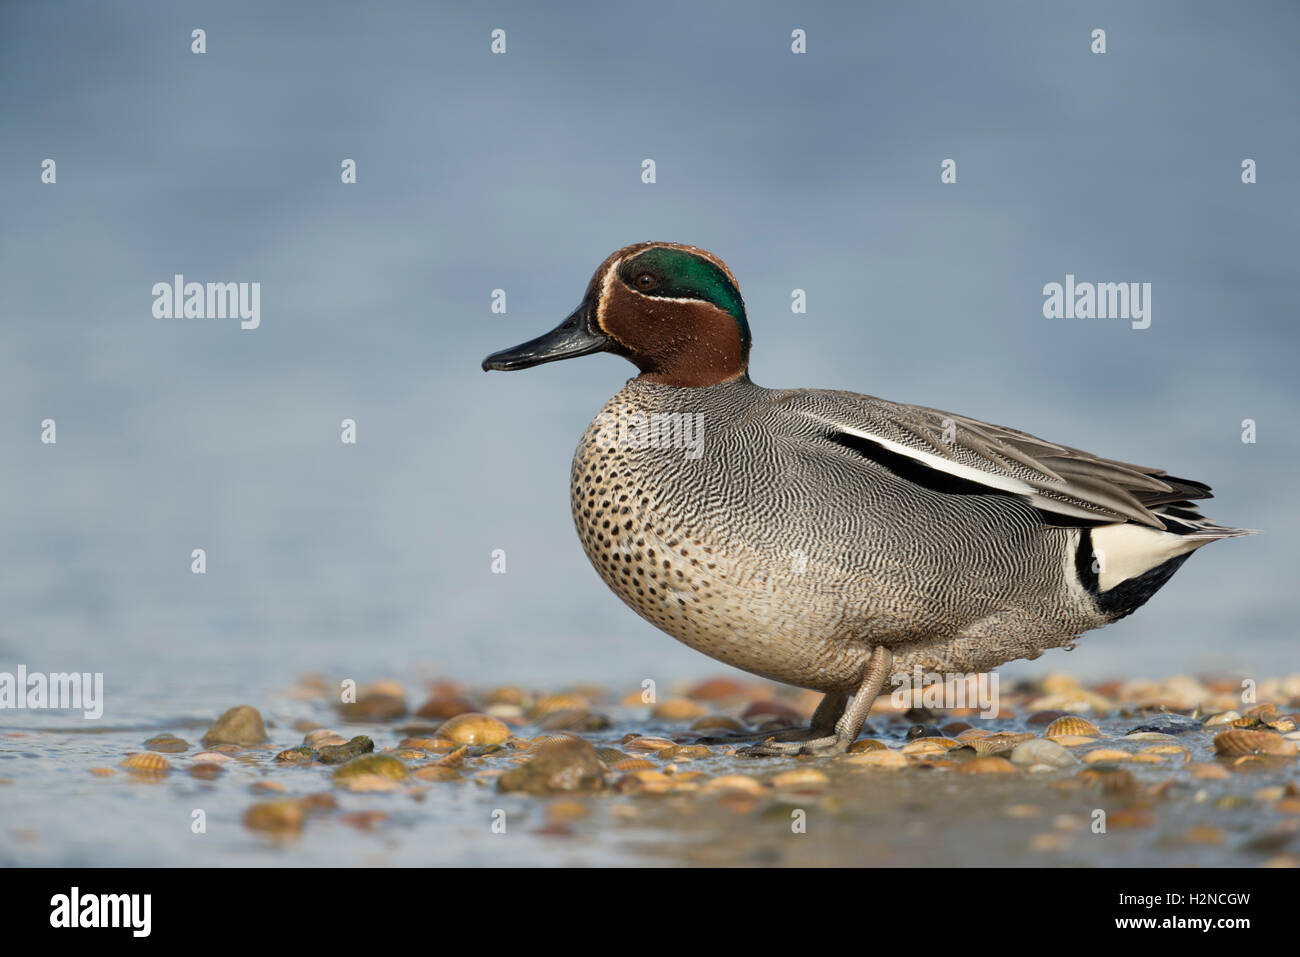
column 54, row 811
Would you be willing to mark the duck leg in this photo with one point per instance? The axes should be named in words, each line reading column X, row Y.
column 849, row 724
column 824, row 718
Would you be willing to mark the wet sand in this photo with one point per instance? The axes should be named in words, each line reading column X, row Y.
column 450, row 775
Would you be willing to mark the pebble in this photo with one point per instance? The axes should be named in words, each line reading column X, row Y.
column 1168, row 724
column 716, row 722
column 167, row 744
column 241, row 725
column 377, row 702
column 278, row 817
column 716, row 689
column 444, row 708
column 573, row 719
column 373, row 765
column 566, row 764
column 343, row 753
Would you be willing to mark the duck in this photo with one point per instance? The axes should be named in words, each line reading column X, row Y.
column 830, row 540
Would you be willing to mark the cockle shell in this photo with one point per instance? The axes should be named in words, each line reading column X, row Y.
column 1071, row 725
column 1237, row 741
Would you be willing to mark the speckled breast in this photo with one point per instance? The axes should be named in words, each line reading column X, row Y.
column 650, row 500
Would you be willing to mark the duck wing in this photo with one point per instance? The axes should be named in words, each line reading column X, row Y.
column 956, row 453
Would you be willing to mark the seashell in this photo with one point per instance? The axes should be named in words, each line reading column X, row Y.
column 648, row 775
column 566, row 811
column 648, row 744
column 716, row 689
column 1071, row 740
column 1167, row 749
column 559, row 702
column 1288, row 806
column 267, row 786
column 866, row 744
column 925, row 746
column 103, row 772
column 206, row 770
column 610, row 755
column 481, row 730
column 735, row 782
column 1129, row 817
column 986, row 765
column 716, row 722
column 453, row 758
column 1041, row 752
column 369, row 783
column 997, row 743
column 1222, row 718
column 167, row 744
column 322, row 737
column 1260, row 714
column 686, row 752
column 1202, row 834
column 1210, row 772
column 888, row 760
column 1235, row 741
column 436, row 772
column 1071, row 725
column 801, row 779
column 1112, row 780
column 678, row 709
column 210, row 757
column 1106, row 754
column 971, row 733
column 507, row 694
column 632, row 764
column 767, row 710
column 427, row 744
column 146, row 762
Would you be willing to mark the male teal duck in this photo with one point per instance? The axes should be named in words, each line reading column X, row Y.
column 827, row 539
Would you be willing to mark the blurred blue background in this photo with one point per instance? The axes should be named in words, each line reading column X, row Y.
column 522, row 171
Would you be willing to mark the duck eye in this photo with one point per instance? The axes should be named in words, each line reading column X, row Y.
column 646, row 280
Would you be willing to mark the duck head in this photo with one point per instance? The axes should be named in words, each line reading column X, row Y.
column 675, row 311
